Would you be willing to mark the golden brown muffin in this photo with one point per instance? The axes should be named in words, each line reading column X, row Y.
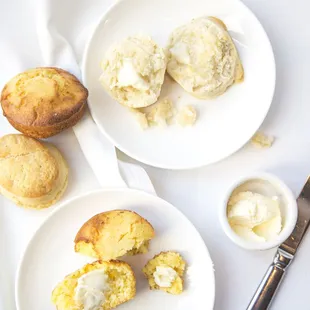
column 42, row 102
column 165, row 272
column 100, row 285
column 112, row 234
column 32, row 175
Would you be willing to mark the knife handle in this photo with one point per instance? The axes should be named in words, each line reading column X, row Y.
column 268, row 287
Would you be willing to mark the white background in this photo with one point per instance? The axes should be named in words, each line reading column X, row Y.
column 197, row 193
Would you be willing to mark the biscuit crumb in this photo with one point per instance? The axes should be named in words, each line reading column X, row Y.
column 159, row 114
column 262, row 141
column 141, row 118
column 186, row 116
column 163, row 114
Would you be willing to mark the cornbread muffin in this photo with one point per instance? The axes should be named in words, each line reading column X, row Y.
column 165, row 272
column 96, row 286
column 203, row 59
column 42, row 102
column 32, row 175
column 134, row 71
column 112, row 234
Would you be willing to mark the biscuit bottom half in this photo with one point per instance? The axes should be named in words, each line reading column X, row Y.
column 54, row 195
column 121, row 282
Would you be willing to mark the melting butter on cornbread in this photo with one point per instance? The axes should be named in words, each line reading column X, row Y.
column 165, row 272
column 96, row 286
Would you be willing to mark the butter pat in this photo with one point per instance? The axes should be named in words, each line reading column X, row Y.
column 91, row 288
column 254, row 217
column 128, row 76
column 180, row 53
column 164, row 276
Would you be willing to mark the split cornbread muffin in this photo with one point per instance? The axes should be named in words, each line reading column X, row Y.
column 112, row 234
column 165, row 272
column 44, row 101
column 97, row 286
column 32, row 174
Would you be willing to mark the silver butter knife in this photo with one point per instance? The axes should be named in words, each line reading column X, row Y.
column 284, row 256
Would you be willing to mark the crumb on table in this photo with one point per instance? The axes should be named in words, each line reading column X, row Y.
column 260, row 140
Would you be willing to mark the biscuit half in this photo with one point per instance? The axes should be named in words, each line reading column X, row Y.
column 134, row 71
column 203, row 58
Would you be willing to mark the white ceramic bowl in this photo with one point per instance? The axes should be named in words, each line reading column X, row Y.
column 268, row 185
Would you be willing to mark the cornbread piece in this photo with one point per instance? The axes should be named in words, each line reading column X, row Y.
column 203, row 59
column 186, row 116
column 42, row 102
column 134, row 71
column 32, row 175
column 100, row 285
column 112, row 234
column 165, row 272
column 260, row 140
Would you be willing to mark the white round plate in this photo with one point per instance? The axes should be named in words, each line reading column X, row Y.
column 50, row 254
column 224, row 125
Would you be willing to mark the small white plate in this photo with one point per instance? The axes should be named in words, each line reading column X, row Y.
column 224, row 124
column 50, row 254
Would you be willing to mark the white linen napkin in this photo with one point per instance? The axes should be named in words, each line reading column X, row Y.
column 63, row 27
column 57, row 51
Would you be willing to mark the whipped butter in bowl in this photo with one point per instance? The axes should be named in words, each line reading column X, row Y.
column 259, row 212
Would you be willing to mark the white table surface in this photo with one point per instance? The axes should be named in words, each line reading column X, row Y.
column 197, row 193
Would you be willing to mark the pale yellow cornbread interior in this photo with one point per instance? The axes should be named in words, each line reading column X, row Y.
column 166, row 259
column 112, row 234
column 120, row 279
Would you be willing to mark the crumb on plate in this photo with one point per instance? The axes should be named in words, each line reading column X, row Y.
column 186, row 116
column 159, row 114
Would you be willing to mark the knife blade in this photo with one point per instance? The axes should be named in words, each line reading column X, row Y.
column 285, row 253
